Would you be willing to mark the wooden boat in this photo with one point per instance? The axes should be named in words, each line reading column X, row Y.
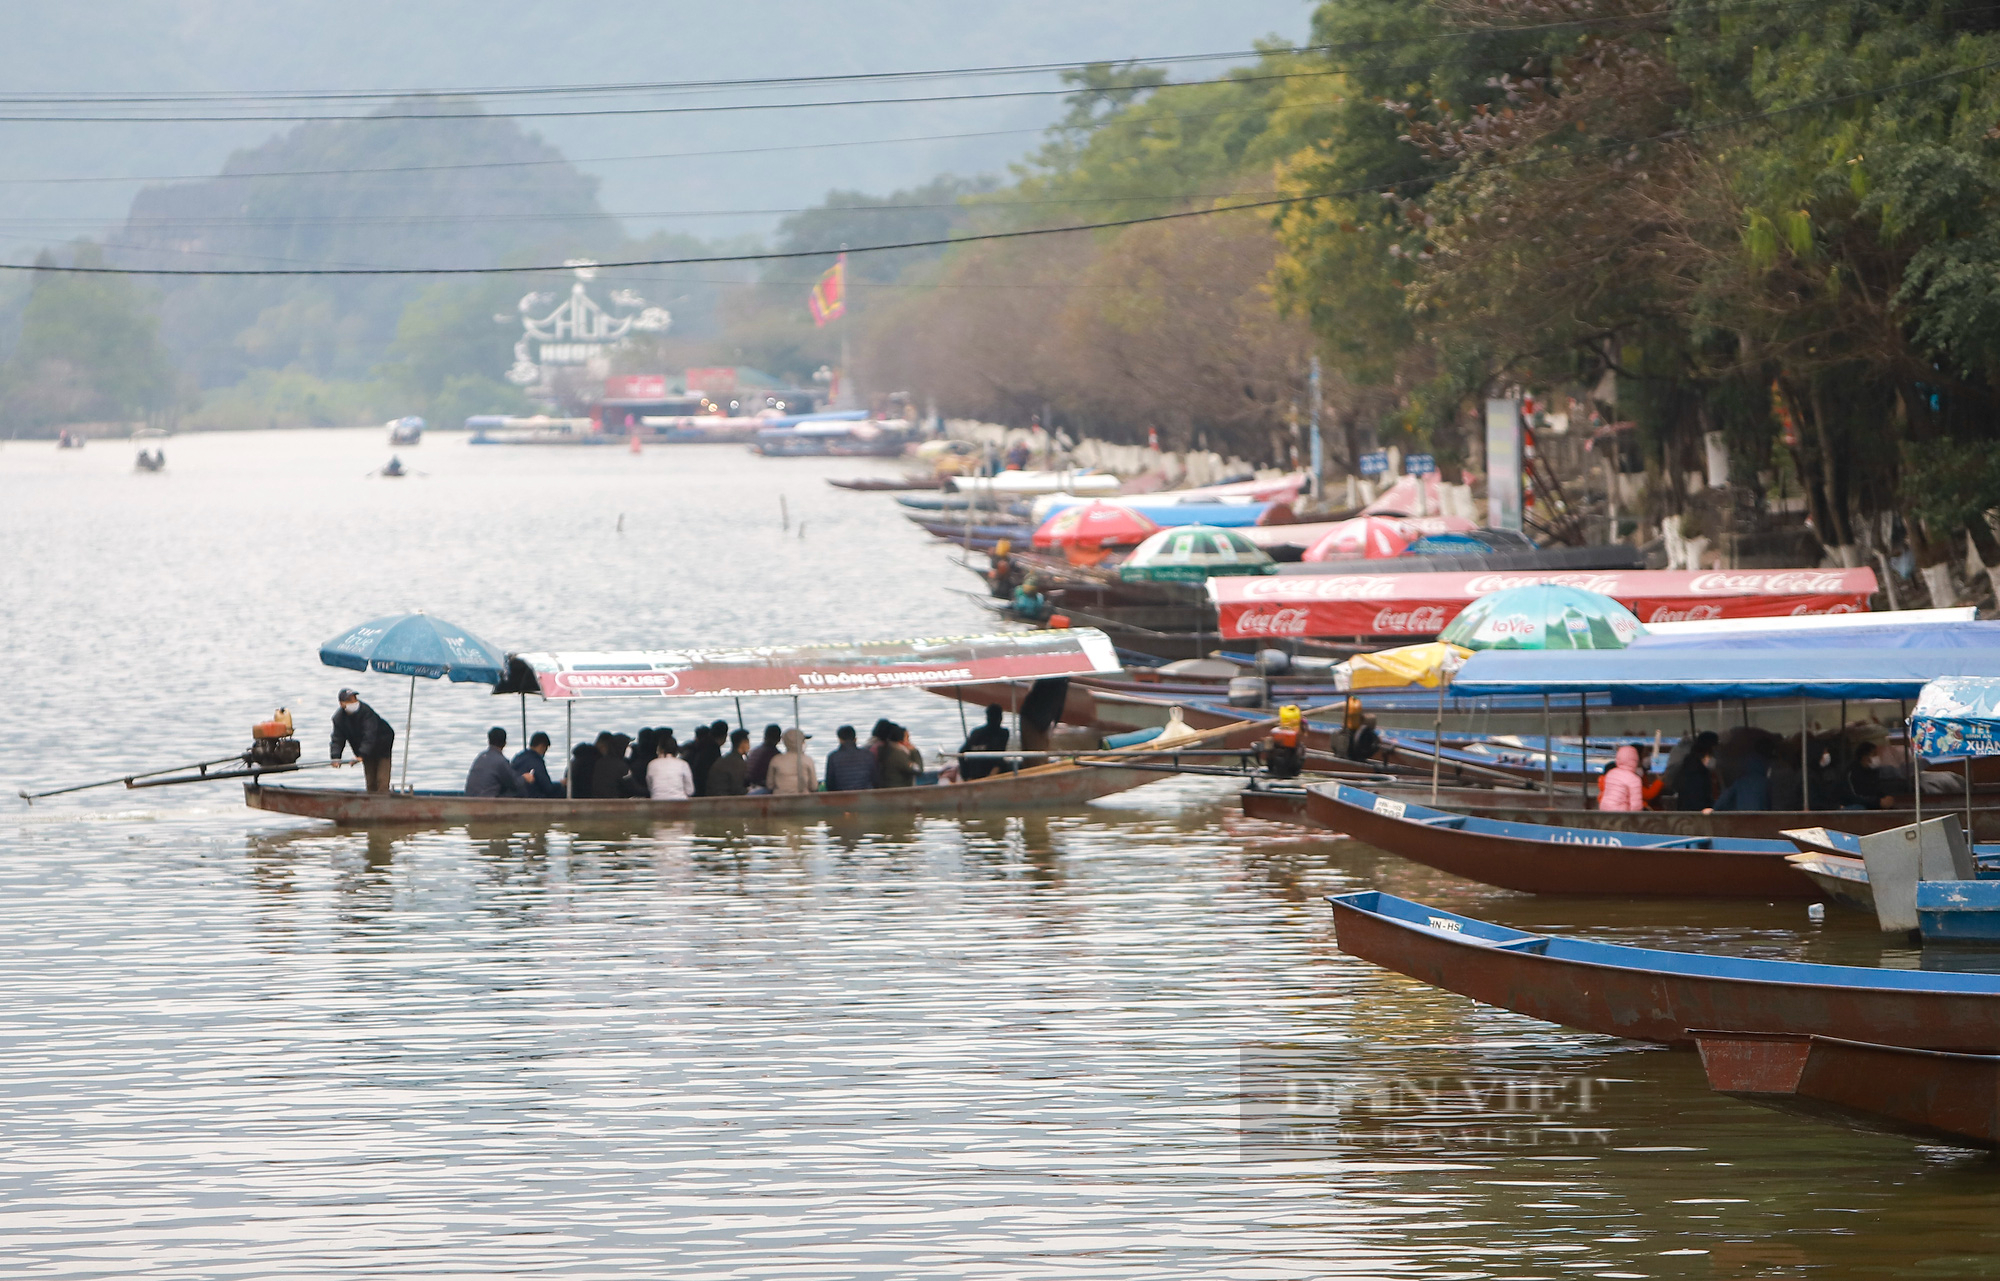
column 1840, row 879
column 1647, row 994
column 1927, row 1094
column 887, row 484
column 1560, row 860
column 1040, row 787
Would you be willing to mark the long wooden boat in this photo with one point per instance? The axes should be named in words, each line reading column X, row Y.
column 1647, row 994
column 1039, row 787
column 1561, row 860
column 1927, row 1094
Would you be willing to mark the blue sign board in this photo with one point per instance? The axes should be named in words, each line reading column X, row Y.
column 1373, row 464
column 1420, row 465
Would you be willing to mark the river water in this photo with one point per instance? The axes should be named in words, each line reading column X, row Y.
column 239, row 1045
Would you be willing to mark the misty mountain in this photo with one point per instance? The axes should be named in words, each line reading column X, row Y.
column 461, row 190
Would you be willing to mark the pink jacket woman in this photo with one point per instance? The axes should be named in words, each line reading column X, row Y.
column 1623, row 788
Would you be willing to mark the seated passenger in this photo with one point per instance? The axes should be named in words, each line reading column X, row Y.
column 758, row 763
column 792, row 771
column 849, row 767
column 582, row 768
column 990, row 737
column 899, row 762
column 532, row 765
column 1865, row 781
column 491, row 775
column 612, row 775
column 727, row 776
column 1622, row 789
column 669, row 778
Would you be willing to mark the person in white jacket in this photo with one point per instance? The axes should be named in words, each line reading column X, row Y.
column 792, row 770
column 669, row 778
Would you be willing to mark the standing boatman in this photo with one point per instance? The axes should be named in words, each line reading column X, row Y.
column 357, row 725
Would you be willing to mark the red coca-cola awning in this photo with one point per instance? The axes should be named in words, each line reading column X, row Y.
column 820, row 669
column 1363, row 604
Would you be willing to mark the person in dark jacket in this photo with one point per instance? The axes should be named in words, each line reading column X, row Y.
column 533, row 766
column 610, row 781
column 757, row 765
column 356, row 725
column 990, row 737
column 1697, row 778
column 702, row 753
column 582, row 770
column 1864, row 780
column 849, row 767
column 729, row 775
column 645, row 746
column 897, row 762
column 491, row 773
column 1752, row 788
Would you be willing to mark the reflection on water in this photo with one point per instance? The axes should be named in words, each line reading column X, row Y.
column 233, row 1044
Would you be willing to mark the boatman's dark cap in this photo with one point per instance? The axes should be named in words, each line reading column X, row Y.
column 347, row 694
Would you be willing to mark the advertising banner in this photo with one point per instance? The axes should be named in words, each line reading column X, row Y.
column 1503, row 464
column 1363, row 604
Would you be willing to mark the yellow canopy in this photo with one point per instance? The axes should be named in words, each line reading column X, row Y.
column 1427, row 665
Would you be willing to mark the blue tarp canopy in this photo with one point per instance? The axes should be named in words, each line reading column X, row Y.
column 1669, row 674
column 1967, row 635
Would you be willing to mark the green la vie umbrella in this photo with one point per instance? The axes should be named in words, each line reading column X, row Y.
column 1193, row 554
column 1543, row 616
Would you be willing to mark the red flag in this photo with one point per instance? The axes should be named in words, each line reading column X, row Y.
column 829, row 297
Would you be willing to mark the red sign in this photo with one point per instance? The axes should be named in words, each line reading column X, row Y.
column 636, row 387
column 1422, row 604
column 716, row 382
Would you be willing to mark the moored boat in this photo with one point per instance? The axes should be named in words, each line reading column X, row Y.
column 1926, row 1094
column 1561, row 860
column 1648, row 994
column 1039, row 787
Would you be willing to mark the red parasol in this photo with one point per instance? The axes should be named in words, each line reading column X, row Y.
column 1364, row 537
column 1087, row 531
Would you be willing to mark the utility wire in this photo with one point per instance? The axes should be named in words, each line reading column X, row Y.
column 783, row 255
column 170, row 97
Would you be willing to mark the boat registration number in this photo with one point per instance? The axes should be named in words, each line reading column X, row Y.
column 1394, row 809
column 1446, row 924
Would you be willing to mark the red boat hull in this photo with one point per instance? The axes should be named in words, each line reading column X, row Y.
column 1661, row 1006
column 1952, row 1097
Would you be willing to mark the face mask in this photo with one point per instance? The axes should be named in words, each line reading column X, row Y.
column 350, row 708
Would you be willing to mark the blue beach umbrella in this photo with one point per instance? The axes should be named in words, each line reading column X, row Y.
column 415, row 645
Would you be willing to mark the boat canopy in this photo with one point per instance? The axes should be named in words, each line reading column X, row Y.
column 1386, row 604
column 1872, row 662
column 815, row 669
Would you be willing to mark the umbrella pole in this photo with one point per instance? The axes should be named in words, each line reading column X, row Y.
column 739, row 715
column 1437, row 742
column 569, row 736
column 1916, row 771
column 958, row 696
column 524, row 722
column 1548, row 753
column 1583, row 742
column 1968, row 797
column 1805, row 768
column 409, row 719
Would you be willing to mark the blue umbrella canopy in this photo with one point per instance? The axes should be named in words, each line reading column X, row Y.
column 415, row 645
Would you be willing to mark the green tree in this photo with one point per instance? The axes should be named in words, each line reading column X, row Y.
column 89, row 350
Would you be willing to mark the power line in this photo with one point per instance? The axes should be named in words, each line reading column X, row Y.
column 782, row 255
column 169, row 97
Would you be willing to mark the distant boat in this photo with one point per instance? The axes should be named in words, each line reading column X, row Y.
column 406, row 431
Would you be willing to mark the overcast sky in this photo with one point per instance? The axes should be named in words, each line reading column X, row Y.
column 776, row 159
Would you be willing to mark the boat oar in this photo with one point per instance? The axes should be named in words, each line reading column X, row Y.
column 131, row 780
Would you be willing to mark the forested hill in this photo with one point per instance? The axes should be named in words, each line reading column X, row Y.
column 463, row 189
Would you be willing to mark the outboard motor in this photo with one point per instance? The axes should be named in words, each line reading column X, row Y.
column 271, row 743
column 1273, row 662
column 1284, row 756
column 1249, row 691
